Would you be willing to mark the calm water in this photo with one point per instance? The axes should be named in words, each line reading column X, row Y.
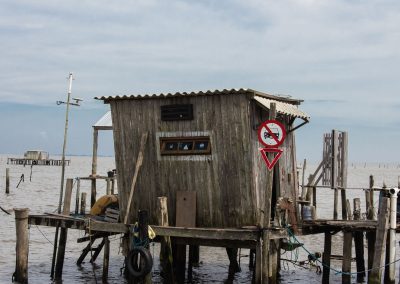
column 41, row 195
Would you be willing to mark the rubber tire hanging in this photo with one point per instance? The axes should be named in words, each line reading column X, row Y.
column 145, row 265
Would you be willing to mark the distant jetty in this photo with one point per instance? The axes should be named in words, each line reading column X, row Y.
column 36, row 157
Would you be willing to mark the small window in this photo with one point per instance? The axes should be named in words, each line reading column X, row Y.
column 177, row 112
column 185, row 145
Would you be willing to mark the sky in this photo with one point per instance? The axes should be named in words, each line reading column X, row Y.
column 341, row 57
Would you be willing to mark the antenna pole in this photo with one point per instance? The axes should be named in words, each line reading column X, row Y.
column 70, row 78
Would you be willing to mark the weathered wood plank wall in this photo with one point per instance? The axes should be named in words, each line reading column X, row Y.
column 228, row 182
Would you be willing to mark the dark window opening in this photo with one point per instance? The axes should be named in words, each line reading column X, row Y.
column 177, row 112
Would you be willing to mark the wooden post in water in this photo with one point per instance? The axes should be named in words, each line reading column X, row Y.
column 343, row 173
column 108, row 188
column 22, row 245
column 166, row 259
column 143, row 227
column 346, row 265
column 78, row 190
column 63, row 231
column 359, row 243
column 7, row 180
column 334, row 137
column 304, row 189
column 83, row 203
column 371, row 193
column 326, row 258
column 257, row 275
column 185, row 217
column 348, row 210
column 113, row 185
column 371, row 236
column 106, row 259
column 267, row 213
column 375, row 276
column 94, row 167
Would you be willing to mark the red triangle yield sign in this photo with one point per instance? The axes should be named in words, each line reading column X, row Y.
column 278, row 153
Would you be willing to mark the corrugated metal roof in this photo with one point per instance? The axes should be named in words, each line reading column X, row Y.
column 200, row 93
column 282, row 107
column 105, row 122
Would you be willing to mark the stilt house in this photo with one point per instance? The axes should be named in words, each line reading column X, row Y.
column 204, row 142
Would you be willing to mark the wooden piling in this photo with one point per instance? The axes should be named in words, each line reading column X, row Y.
column 257, row 274
column 106, row 259
column 334, row 137
column 193, row 260
column 143, row 227
column 371, row 236
column 93, row 189
column 63, row 232
column 108, row 187
column 359, row 243
column 113, row 185
column 344, row 204
column 335, row 203
column 267, row 213
column 7, row 180
column 185, row 217
column 67, row 197
column 326, row 258
column 78, row 190
column 83, row 203
column 343, row 175
column 274, row 252
column 371, row 194
column 375, row 276
column 22, row 245
column 304, row 192
column 348, row 210
column 346, row 264
column 166, row 259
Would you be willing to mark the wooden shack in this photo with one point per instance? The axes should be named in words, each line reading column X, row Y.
column 204, row 142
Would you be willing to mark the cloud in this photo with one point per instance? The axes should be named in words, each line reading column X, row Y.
column 340, row 56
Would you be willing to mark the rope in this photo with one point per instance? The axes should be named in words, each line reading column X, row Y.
column 44, row 235
column 337, row 271
column 5, row 211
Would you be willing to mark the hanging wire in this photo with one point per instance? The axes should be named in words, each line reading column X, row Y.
column 44, row 235
column 337, row 271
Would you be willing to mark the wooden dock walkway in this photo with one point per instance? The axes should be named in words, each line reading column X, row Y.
column 240, row 237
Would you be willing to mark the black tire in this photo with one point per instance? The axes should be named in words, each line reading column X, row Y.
column 34, row 162
column 145, row 266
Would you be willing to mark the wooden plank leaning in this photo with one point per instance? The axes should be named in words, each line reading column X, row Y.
column 139, row 162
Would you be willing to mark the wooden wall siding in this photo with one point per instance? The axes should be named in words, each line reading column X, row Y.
column 225, row 193
column 286, row 164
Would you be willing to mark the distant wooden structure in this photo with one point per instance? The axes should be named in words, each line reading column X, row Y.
column 36, row 157
column 104, row 123
column 331, row 172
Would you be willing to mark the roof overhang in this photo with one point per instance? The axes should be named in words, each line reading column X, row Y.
column 284, row 108
column 104, row 123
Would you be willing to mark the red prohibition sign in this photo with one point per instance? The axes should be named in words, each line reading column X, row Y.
column 271, row 133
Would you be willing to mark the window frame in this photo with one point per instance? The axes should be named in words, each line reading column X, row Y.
column 190, row 139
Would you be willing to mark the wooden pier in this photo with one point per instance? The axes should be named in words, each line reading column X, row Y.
column 198, row 181
column 34, row 162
